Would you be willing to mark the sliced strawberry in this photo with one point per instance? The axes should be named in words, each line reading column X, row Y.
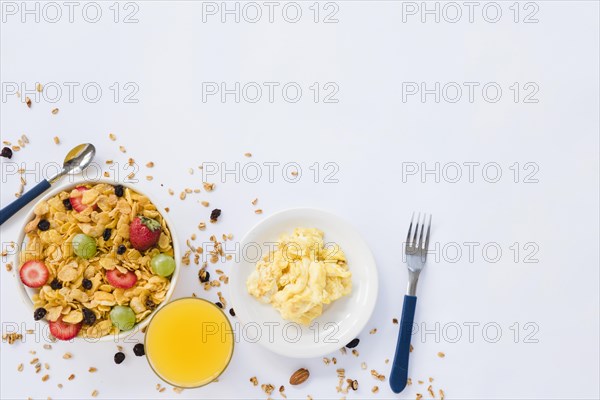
column 34, row 274
column 144, row 233
column 121, row 280
column 63, row 330
column 76, row 202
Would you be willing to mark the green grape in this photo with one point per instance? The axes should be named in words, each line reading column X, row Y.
column 162, row 264
column 122, row 317
column 84, row 246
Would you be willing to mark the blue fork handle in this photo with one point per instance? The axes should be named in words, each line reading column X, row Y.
column 22, row 201
column 399, row 373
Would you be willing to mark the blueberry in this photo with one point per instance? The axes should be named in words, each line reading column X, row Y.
column 39, row 313
column 6, row 153
column 119, row 190
column 55, row 284
column 86, row 283
column 106, row 234
column 119, row 357
column 88, row 317
column 67, row 204
column 353, row 343
column 121, row 249
column 138, row 350
column 43, row 225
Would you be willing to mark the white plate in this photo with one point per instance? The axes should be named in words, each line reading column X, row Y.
column 340, row 322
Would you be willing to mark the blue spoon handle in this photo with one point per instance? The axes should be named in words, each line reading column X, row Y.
column 22, row 201
column 399, row 373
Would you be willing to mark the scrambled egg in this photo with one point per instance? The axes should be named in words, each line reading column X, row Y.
column 301, row 275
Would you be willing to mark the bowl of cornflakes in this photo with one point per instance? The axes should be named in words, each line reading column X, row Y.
column 96, row 261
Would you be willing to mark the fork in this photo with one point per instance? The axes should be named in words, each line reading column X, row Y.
column 416, row 255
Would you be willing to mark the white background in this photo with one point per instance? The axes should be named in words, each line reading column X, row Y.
column 369, row 133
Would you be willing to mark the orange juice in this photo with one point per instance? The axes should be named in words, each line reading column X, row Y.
column 189, row 342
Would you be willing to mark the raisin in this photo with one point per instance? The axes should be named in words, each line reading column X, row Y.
column 55, row 284
column 39, row 313
column 121, row 249
column 67, row 204
column 215, row 214
column 119, row 357
column 231, row 312
column 138, row 350
column 106, row 234
column 89, row 318
column 119, row 190
column 6, row 153
column 218, row 303
column 353, row 343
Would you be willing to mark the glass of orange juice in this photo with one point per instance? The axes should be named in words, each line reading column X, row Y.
column 189, row 342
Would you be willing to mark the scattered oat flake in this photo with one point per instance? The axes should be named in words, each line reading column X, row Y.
column 39, row 87
column 408, row 382
column 419, row 396
column 442, row 394
column 106, row 174
column 205, row 203
column 122, row 149
column 28, row 102
column 191, row 171
column 209, row 187
column 20, row 367
column 35, row 360
column 66, row 356
column 377, row 375
column 150, row 164
column 9, row 267
column 254, row 381
column 430, row 379
column 441, row 355
column 60, row 385
column 373, row 331
column 267, row 388
column 375, row 389
column 420, row 382
column 93, row 369
column 149, row 177
column 71, row 377
column 56, row 140
column 94, row 393
column 48, row 346
column 411, row 348
column 431, row 392
column 45, row 378
column 248, row 155
column 395, row 321
column 363, row 365
column 112, row 136
column 254, row 201
column 177, row 389
column 259, row 211
column 54, row 111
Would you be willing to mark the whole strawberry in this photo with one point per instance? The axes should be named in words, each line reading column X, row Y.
column 144, row 233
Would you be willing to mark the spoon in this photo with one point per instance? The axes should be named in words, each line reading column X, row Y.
column 75, row 162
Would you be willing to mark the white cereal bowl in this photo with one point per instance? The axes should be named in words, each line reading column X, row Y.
column 340, row 322
column 26, row 293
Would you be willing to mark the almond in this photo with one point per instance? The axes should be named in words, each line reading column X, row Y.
column 299, row 376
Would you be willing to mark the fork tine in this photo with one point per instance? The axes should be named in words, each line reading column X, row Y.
column 427, row 236
column 419, row 245
column 414, row 241
column 410, row 229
